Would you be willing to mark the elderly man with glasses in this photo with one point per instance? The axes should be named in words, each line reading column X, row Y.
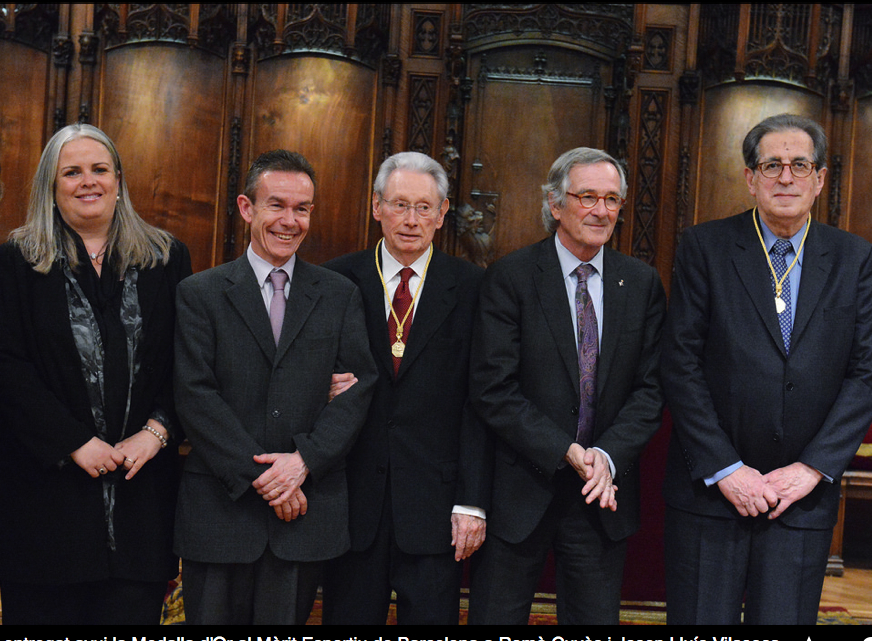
column 767, row 370
column 564, row 373
column 418, row 474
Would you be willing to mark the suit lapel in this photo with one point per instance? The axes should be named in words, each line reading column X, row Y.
column 438, row 297
column 817, row 263
column 749, row 259
column 302, row 298
column 614, row 304
column 244, row 295
column 370, row 284
column 551, row 290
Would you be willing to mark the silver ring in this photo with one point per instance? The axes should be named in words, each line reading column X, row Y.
column 102, row 470
column 132, row 462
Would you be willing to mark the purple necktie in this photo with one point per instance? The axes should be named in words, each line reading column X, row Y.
column 588, row 350
column 277, row 302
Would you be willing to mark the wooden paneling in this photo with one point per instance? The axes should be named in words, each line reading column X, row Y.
column 23, row 83
column 325, row 109
column 859, row 221
column 728, row 114
column 162, row 105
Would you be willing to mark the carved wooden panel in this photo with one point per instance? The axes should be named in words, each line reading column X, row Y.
column 24, row 71
column 325, row 109
column 526, row 109
column 163, row 107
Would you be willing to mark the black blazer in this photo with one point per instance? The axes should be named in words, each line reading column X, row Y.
column 734, row 393
column 238, row 395
column 419, row 432
column 525, row 383
column 59, row 534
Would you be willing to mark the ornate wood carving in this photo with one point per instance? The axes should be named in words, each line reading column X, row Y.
column 606, row 28
column 356, row 31
column 33, row 24
column 795, row 43
column 649, row 169
column 422, row 116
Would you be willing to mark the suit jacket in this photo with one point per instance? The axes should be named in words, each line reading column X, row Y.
column 525, row 381
column 420, row 437
column 239, row 395
column 735, row 394
column 54, row 528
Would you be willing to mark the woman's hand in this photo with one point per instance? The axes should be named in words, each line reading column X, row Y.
column 97, row 457
column 140, row 448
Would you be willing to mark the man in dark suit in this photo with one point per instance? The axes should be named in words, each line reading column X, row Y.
column 767, row 370
column 564, row 371
column 263, row 498
column 418, row 473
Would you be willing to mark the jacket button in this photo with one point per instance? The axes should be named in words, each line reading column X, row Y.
column 380, row 469
column 276, row 413
column 574, row 411
column 790, row 387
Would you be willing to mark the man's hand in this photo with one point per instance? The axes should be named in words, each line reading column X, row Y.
column 593, row 467
column 467, row 534
column 748, row 491
column 284, row 477
column 296, row 506
column 791, row 484
column 340, row 383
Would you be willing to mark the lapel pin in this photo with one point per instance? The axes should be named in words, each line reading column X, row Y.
column 621, row 283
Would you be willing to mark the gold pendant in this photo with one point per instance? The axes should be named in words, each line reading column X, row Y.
column 398, row 349
column 780, row 306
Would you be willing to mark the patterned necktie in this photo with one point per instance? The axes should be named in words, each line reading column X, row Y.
column 401, row 304
column 779, row 264
column 277, row 302
column 588, row 350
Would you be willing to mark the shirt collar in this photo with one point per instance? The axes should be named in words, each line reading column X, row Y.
column 795, row 241
column 262, row 268
column 569, row 261
column 391, row 266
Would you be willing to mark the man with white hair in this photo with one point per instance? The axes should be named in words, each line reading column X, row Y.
column 418, row 473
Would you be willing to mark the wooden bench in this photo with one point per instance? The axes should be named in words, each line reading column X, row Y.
column 856, row 484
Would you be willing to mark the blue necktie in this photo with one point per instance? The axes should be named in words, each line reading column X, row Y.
column 588, row 351
column 779, row 264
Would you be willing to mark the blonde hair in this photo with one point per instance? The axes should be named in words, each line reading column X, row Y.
column 44, row 238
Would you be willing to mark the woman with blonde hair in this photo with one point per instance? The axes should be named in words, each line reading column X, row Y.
column 88, row 436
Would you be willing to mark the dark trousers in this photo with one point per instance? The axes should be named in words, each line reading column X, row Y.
column 112, row 601
column 589, row 566
column 358, row 585
column 713, row 565
column 268, row 591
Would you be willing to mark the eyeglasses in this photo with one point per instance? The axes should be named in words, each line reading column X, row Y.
column 589, row 199
column 774, row 168
column 400, row 208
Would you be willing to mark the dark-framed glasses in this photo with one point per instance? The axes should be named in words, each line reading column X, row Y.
column 589, row 199
column 401, row 208
column 774, row 168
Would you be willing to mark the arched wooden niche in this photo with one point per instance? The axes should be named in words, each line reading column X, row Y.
column 541, row 79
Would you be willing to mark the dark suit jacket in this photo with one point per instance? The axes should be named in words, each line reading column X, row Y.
column 525, row 383
column 419, row 433
column 732, row 391
column 239, row 395
column 53, row 524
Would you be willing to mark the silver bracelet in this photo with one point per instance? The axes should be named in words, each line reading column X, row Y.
column 157, row 435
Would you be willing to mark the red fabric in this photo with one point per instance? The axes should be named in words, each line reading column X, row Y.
column 863, row 462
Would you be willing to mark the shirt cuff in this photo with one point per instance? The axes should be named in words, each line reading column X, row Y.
column 469, row 511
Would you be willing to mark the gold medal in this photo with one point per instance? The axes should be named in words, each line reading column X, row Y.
column 398, row 348
column 779, row 305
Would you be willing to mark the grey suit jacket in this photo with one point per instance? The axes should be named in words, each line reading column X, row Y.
column 733, row 391
column 525, row 381
column 239, row 395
